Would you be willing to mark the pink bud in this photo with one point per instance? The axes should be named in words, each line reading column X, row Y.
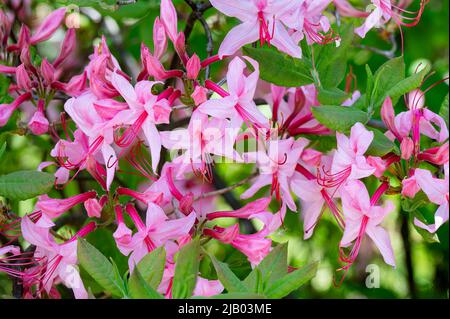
column 193, row 67
column 22, row 78
column 407, row 148
column 410, row 187
column 47, row 72
column 39, row 123
column 200, row 95
column 48, row 26
column 67, row 47
column 186, row 204
column 7, row 69
column 24, row 37
column 93, row 208
column 388, row 116
column 6, row 110
column 159, row 39
column 180, row 47
column 169, row 19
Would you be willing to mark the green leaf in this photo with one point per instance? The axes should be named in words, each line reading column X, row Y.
column 271, row 268
column 139, row 289
column 2, row 150
column 228, row 279
column 380, row 145
column 186, row 270
column 332, row 96
column 151, row 267
column 23, row 185
column 443, row 112
column 407, row 85
column 339, row 118
column 292, row 281
column 281, row 69
column 426, row 235
column 236, row 295
column 387, row 77
column 99, row 268
column 332, row 60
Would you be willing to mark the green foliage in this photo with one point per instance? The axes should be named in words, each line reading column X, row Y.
column 23, row 185
column 270, row 279
column 100, row 268
column 380, row 145
column 339, row 118
column 331, row 61
column 2, row 150
column 186, row 270
column 151, row 267
column 279, row 68
column 140, row 289
column 385, row 78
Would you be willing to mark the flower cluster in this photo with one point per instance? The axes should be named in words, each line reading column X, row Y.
column 113, row 122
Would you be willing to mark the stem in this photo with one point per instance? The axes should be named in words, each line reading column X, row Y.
column 406, row 239
column 224, row 190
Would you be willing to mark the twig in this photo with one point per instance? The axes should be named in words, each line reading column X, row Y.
column 225, row 190
column 386, row 53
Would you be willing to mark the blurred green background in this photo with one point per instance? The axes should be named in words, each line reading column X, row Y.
column 127, row 26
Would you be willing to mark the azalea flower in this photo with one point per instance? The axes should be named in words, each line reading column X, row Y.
column 277, row 166
column 59, row 260
column 237, row 104
column 146, row 111
column 437, row 191
column 363, row 216
column 349, row 162
column 156, row 232
column 262, row 20
column 203, row 138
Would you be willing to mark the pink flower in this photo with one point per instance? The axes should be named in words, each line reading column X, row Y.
column 146, row 110
column 156, row 232
column 6, row 110
column 203, row 138
column 313, row 196
column 349, row 162
column 277, row 166
column 262, row 20
column 54, row 207
column 363, row 216
column 437, row 191
column 59, row 260
column 378, row 17
column 207, row 288
column 99, row 130
column 238, row 102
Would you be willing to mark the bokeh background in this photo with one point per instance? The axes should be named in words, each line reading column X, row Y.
column 423, row 266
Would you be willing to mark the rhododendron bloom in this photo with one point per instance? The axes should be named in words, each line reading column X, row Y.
column 262, row 20
column 437, row 191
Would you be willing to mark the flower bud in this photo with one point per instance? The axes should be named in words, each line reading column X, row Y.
column 407, row 148
column 193, row 67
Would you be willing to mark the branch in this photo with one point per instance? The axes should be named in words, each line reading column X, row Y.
column 390, row 54
column 224, row 190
